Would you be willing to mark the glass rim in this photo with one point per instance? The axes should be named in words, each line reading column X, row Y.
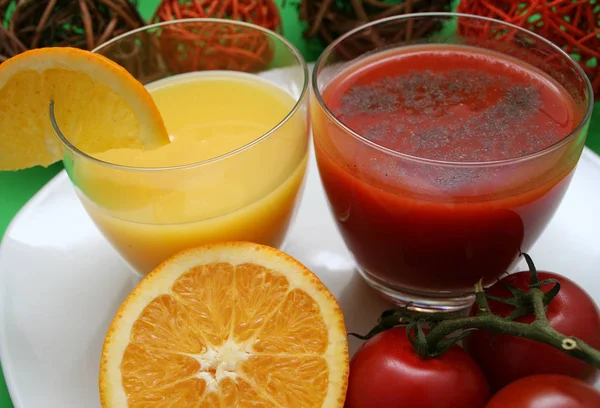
column 297, row 106
column 422, row 160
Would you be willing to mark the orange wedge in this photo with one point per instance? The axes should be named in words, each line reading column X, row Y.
column 227, row 325
column 98, row 106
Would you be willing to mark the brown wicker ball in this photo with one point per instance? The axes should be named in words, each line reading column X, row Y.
column 328, row 20
column 75, row 23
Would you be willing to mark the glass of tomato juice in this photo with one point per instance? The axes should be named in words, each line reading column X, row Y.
column 445, row 143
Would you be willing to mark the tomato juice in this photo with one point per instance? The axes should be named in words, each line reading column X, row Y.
column 430, row 158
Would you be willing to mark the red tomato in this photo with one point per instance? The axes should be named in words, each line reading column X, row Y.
column 505, row 358
column 386, row 372
column 546, row 391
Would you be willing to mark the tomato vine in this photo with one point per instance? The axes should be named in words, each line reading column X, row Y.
column 446, row 329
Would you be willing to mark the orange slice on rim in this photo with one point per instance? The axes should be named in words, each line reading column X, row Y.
column 227, row 325
column 99, row 105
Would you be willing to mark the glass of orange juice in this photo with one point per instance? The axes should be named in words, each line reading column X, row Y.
column 233, row 97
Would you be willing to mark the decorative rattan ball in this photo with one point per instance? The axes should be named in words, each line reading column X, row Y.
column 264, row 13
column 573, row 26
column 328, row 20
column 82, row 24
column 192, row 46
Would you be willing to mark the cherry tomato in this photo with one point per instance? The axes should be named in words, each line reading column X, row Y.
column 386, row 372
column 505, row 358
column 546, row 391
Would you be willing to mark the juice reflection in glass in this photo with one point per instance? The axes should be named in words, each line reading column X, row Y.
column 443, row 159
column 233, row 170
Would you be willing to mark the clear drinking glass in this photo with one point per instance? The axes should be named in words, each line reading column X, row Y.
column 247, row 193
column 426, row 208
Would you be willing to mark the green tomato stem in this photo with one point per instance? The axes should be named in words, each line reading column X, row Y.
column 539, row 309
column 481, row 300
column 537, row 331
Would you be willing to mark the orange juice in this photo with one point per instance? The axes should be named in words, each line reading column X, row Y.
column 233, row 170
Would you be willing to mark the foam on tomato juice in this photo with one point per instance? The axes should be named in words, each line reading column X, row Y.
column 430, row 167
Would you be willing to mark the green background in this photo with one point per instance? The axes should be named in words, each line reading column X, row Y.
column 18, row 187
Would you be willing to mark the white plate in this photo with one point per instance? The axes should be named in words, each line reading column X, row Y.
column 61, row 282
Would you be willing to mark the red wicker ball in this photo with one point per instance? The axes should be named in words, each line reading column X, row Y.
column 203, row 46
column 572, row 25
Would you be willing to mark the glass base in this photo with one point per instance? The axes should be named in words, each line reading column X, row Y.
column 418, row 301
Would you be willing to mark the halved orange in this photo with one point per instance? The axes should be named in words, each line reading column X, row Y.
column 227, row 325
column 99, row 105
